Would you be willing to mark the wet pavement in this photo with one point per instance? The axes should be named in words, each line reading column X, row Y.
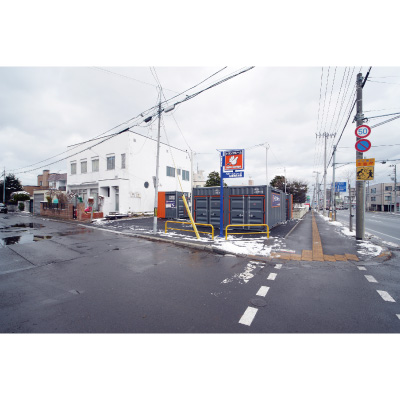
column 83, row 279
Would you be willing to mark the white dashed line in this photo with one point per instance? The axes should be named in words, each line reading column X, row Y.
column 271, row 276
column 263, row 291
column 248, row 316
column 370, row 278
column 362, row 268
column 386, row 296
column 398, row 316
column 278, row 266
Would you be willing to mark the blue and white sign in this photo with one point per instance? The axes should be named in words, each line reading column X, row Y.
column 275, row 200
column 233, row 174
column 340, row 187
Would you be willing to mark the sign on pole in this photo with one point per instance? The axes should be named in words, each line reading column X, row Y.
column 340, row 187
column 232, row 166
column 365, row 162
column 363, row 131
column 365, row 173
column 363, row 145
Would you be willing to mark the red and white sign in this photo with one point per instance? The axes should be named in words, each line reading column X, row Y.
column 233, row 160
column 363, row 131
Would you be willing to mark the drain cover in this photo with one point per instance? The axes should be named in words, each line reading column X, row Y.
column 258, row 302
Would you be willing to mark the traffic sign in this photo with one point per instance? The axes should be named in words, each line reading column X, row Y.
column 363, row 145
column 363, row 131
column 365, row 173
column 365, row 162
column 340, row 187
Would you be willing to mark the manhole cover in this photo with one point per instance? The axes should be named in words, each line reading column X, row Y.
column 258, row 302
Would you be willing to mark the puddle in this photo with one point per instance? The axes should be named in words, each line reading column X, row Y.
column 7, row 241
column 30, row 225
column 74, row 232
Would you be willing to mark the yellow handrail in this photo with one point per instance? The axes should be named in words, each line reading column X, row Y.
column 246, row 233
column 187, row 230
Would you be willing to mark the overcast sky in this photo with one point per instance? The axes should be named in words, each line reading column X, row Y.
column 46, row 109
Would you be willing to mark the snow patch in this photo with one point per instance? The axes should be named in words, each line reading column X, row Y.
column 368, row 249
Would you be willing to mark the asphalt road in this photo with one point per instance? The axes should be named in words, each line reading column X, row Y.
column 385, row 226
column 67, row 278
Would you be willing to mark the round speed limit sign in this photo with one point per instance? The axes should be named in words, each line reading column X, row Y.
column 363, row 131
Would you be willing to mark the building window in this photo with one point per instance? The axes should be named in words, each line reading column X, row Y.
column 110, row 162
column 73, row 168
column 373, row 190
column 185, row 175
column 83, row 167
column 388, row 198
column 373, row 198
column 388, row 188
column 95, row 164
column 123, row 161
column 170, row 171
column 179, row 171
column 397, row 188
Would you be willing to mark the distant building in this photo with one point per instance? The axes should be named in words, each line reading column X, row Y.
column 119, row 173
column 198, row 179
column 48, row 180
column 382, row 197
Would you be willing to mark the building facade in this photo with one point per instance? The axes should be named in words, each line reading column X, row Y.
column 119, row 172
column 382, row 197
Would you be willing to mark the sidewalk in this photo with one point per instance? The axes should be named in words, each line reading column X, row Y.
column 312, row 238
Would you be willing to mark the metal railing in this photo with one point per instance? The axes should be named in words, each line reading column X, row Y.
column 53, row 206
column 187, row 230
column 246, row 233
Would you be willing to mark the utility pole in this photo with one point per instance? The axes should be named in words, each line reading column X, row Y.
column 333, row 201
column 4, row 186
column 350, row 221
column 266, row 182
column 360, row 185
column 157, row 168
column 317, row 190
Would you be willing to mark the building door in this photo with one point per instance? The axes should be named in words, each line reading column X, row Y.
column 116, row 198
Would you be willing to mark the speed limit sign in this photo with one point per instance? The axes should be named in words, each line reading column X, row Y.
column 363, row 131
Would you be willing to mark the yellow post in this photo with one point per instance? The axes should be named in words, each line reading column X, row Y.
column 190, row 216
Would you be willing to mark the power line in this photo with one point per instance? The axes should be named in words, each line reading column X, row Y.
column 140, row 115
column 128, row 77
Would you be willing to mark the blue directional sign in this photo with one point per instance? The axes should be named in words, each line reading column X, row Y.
column 363, row 145
column 340, row 187
column 233, row 174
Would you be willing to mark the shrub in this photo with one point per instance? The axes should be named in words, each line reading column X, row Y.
column 21, row 206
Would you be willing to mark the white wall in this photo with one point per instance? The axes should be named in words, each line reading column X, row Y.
column 140, row 168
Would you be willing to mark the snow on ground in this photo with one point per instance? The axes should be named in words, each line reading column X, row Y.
column 368, row 249
column 246, row 275
column 243, row 246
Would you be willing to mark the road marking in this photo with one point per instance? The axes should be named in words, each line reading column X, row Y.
column 248, row 316
column 370, row 278
column 278, row 266
column 386, row 296
column 398, row 316
column 262, row 291
column 385, row 234
column 362, row 268
column 271, row 276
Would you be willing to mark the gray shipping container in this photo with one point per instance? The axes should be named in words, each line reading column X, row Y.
column 173, row 207
column 242, row 205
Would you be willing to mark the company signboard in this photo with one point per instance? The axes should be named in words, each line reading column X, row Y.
column 233, row 174
column 233, row 160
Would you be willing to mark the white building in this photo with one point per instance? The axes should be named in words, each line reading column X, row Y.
column 122, row 170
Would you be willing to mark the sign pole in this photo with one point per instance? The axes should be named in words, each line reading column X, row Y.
column 360, row 185
column 221, row 197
